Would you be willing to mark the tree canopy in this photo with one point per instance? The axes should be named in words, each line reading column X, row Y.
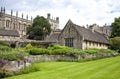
column 115, row 43
column 115, row 27
column 39, row 29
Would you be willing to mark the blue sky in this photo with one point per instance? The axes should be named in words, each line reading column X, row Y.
column 81, row 12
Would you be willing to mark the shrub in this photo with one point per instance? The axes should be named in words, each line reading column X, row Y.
column 91, row 51
column 39, row 51
column 4, row 44
column 115, row 43
column 106, row 51
column 5, row 48
column 29, row 46
column 12, row 55
column 31, row 68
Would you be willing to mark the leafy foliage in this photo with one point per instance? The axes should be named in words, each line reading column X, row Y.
column 38, row 51
column 39, row 29
column 116, row 27
column 115, row 43
column 32, row 68
column 29, row 46
column 63, row 50
column 91, row 51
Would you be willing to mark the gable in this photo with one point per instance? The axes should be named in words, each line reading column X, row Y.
column 69, row 31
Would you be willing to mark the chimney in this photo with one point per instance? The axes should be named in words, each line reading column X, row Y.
column 92, row 29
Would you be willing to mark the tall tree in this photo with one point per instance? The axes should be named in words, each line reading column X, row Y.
column 39, row 29
column 115, row 27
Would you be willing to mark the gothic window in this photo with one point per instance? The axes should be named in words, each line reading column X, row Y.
column 7, row 23
column 69, row 42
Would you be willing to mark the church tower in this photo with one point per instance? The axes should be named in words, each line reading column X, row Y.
column 53, row 21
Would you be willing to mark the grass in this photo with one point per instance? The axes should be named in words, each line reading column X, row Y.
column 108, row 68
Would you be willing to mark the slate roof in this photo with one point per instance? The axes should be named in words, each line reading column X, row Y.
column 4, row 32
column 90, row 35
column 53, row 37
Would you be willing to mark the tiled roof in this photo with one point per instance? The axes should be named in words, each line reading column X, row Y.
column 90, row 35
column 4, row 32
column 53, row 37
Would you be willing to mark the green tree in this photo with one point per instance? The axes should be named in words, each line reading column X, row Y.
column 39, row 29
column 115, row 27
column 115, row 43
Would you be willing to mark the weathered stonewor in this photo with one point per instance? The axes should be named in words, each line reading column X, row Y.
column 16, row 65
column 50, row 57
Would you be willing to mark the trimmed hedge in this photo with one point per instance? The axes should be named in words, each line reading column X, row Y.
column 63, row 50
column 38, row 51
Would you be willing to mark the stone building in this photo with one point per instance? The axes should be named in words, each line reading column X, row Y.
column 11, row 22
column 80, row 37
column 9, row 35
column 54, row 22
column 105, row 30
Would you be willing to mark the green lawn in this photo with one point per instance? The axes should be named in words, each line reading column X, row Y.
column 108, row 68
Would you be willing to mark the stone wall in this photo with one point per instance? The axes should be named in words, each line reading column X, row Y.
column 16, row 65
column 33, row 58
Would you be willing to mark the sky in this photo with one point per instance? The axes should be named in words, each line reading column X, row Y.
column 81, row 12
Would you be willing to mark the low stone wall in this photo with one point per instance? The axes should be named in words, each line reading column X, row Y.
column 16, row 65
column 33, row 58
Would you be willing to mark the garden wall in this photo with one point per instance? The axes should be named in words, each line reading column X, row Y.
column 33, row 58
column 16, row 65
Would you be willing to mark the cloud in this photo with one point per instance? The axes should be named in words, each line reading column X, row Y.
column 81, row 12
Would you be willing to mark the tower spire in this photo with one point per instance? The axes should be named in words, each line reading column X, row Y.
column 31, row 18
column 4, row 10
column 11, row 12
column 16, row 13
column 1, row 9
column 22, row 15
column 27, row 17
